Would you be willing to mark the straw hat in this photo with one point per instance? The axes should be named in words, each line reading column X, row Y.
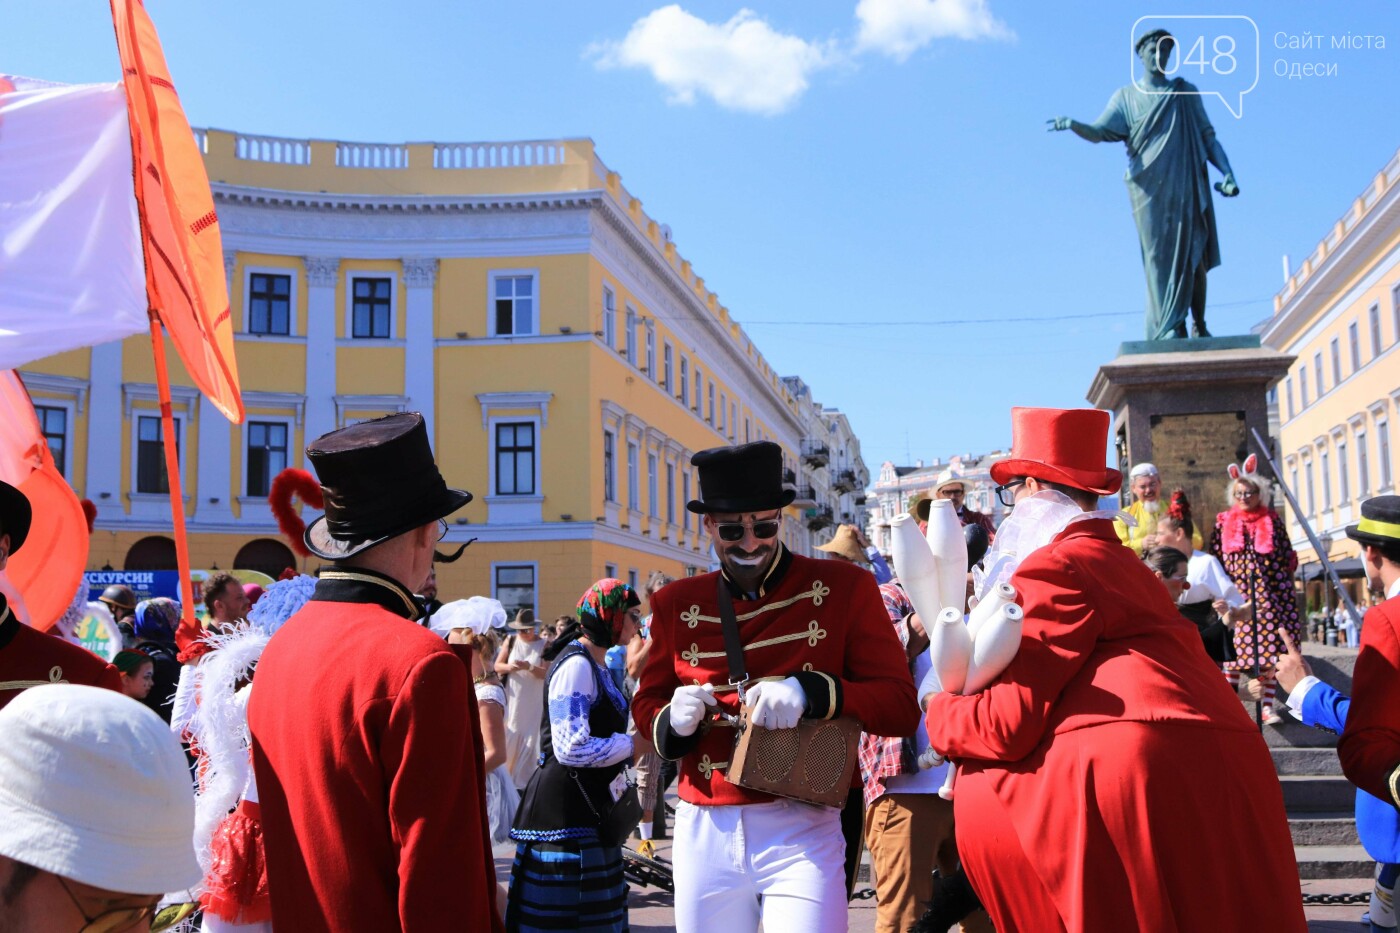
column 845, row 543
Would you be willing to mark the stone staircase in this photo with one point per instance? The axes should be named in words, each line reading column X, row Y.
column 1318, row 798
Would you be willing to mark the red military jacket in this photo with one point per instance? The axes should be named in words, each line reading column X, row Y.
column 1370, row 745
column 823, row 622
column 30, row 658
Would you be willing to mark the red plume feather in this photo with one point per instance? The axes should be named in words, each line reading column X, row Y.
column 1180, row 508
column 90, row 513
column 293, row 482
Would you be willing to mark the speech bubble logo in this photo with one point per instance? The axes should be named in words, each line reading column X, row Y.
column 1218, row 54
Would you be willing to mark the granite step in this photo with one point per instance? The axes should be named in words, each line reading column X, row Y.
column 1333, row 862
column 1314, row 793
column 1294, row 760
column 1324, row 828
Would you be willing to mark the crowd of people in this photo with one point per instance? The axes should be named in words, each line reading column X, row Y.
column 1108, row 778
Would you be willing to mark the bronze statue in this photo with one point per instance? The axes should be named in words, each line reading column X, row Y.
column 1169, row 140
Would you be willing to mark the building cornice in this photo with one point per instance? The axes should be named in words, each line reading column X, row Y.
column 402, row 204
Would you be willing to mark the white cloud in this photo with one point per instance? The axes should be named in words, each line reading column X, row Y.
column 743, row 64
column 899, row 28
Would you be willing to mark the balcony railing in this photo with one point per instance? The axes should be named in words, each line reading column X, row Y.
column 845, row 481
column 790, row 477
column 806, row 497
column 815, row 452
column 819, row 517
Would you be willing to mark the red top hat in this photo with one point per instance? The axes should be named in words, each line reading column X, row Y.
column 1060, row 446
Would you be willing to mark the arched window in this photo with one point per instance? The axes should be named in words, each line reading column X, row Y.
column 267, row 555
column 153, row 553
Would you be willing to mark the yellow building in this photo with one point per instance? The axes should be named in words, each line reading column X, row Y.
column 1339, row 313
column 567, row 359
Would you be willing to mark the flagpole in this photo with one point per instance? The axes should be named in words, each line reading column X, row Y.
column 189, row 628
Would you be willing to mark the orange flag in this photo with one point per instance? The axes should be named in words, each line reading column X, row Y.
column 185, row 278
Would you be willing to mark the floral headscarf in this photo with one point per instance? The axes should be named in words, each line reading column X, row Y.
column 156, row 619
column 601, row 612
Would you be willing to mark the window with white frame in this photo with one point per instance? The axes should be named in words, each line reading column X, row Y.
column 1354, row 341
column 1394, row 314
column 632, row 578
column 685, row 382
column 634, row 493
column 513, row 305
column 1336, row 362
column 610, row 571
column 514, row 586
column 515, row 458
column 269, row 304
column 652, row 496
column 723, row 412
column 1325, row 467
column 151, row 476
column 667, row 364
column 711, row 400
column 1374, row 316
column 1383, row 451
column 1317, row 373
column 630, row 338
column 1303, row 385
column 1308, row 473
column 733, row 420
column 609, row 318
column 371, row 299
column 685, row 498
column 1363, row 466
column 267, row 455
column 609, row 466
column 53, row 424
column 651, row 352
column 1288, row 394
column 1343, row 470
column 695, row 400
column 1293, row 471
column 670, row 493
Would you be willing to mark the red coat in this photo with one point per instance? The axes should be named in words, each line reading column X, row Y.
column 1370, row 745
column 368, row 765
column 30, row 658
column 822, row 621
column 1110, row 779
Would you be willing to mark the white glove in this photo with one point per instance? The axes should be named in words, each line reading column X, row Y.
column 688, row 705
column 776, row 704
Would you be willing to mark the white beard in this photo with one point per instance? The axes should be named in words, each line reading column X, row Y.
column 1151, row 506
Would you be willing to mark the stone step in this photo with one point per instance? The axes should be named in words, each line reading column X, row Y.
column 1310, row 794
column 1290, row 759
column 1325, row 828
column 1333, row 862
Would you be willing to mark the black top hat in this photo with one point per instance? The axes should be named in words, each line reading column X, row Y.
column 1380, row 522
column 379, row 481
column 747, row 478
column 15, row 515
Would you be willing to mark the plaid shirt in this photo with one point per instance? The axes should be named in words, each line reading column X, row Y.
column 882, row 756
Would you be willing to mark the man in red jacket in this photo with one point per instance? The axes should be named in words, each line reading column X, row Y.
column 1109, row 779
column 30, row 658
column 365, row 744
column 817, row 644
column 1370, row 745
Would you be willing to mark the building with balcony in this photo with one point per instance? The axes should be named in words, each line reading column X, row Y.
column 897, row 487
column 566, row 356
column 830, row 474
column 1339, row 313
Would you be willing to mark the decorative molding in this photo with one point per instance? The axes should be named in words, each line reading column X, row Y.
column 180, row 397
column 321, row 271
column 419, row 272
column 230, row 261
column 285, row 401
column 514, row 401
column 388, row 404
column 66, row 386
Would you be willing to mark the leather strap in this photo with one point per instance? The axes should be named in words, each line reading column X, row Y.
column 729, row 625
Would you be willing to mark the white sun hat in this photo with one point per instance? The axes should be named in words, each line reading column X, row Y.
column 96, row 790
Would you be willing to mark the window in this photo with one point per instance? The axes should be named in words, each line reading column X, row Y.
column 733, row 420
column 631, row 338
column 634, row 495
column 1317, row 372
column 670, row 493
column 685, row 494
column 685, row 382
column 746, row 430
column 667, row 376
column 1308, row 472
column 53, row 423
column 1303, row 385
column 651, row 351
column 1383, row 451
column 267, row 454
column 150, row 455
column 609, row 318
column 1343, row 471
column 610, row 571
column 632, row 579
column 1374, row 314
column 1326, row 465
column 711, row 417
column 1336, row 362
column 369, row 315
column 513, row 301
column 698, row 380
column 1292, row 470
column 723, row 412
column 652, row 497
column 269, row 304
column 1363, row 466
column 1394, row 316
column 514, row 586
column 609, row 466
column 515, row 459
column 1355, row 342
column 1288, row 394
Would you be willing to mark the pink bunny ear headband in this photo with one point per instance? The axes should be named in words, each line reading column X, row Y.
column 1249, row 472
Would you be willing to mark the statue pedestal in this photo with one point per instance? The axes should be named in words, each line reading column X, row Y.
column 1188, row 406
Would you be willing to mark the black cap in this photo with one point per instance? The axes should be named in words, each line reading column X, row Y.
column 15, row 515
column 747, row 478
column 379, row 481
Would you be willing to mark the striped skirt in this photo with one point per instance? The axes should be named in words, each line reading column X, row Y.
column 573, row 884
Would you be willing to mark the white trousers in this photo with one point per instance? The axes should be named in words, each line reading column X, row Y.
column 781, row 862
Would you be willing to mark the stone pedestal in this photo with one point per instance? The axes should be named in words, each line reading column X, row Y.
column 1189, row 406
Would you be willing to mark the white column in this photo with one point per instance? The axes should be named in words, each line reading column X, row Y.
column 420, row 279
column 321, row 274
column 104, row 430
column 214, row 478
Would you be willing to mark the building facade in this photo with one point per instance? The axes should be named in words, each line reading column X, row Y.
column 1339, row 313
column 568, row 361
column 897, row 486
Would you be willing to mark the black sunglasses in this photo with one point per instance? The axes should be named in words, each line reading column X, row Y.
column 734, row 531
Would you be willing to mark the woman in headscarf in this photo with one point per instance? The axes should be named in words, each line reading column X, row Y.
column 563, row 871
column 154, row 625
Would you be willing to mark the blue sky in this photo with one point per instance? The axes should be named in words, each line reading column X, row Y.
column 849, row 185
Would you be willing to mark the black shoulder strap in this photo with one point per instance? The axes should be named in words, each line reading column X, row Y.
column 733, row 647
